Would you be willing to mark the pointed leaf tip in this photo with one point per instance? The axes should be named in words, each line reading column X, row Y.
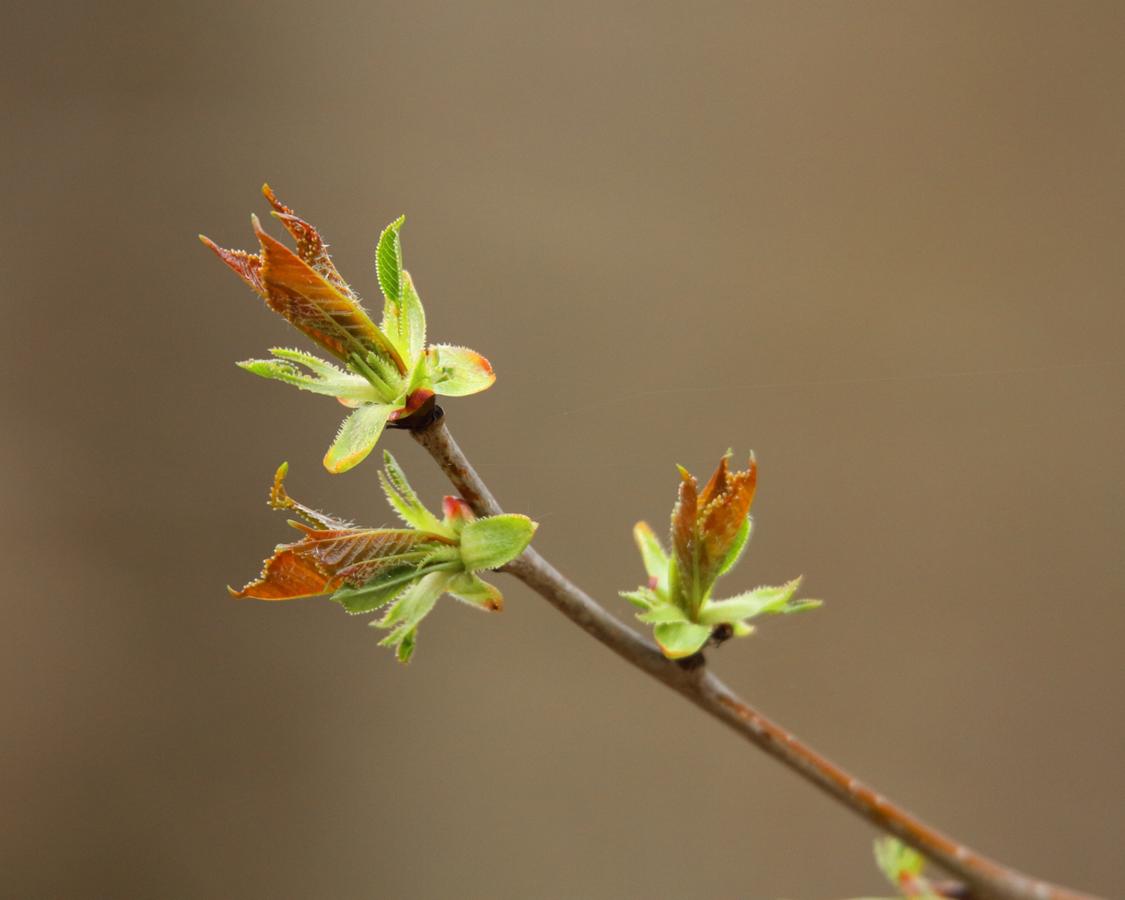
column 247, row 266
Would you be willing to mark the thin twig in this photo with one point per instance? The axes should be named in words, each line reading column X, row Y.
column 985, row 878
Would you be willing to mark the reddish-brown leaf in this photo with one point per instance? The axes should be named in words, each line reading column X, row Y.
column 705, row 525
column 723, row 508
column 330, row 553
column 684, row 543
column 306, row 289
column 310, row 245
column 247, row 266
column 717, row 483
column 306, row 300
column 325, row 559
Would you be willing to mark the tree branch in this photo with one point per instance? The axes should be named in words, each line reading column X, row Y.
column 985, row 878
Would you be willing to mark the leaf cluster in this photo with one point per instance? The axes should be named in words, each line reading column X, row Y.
column 402, row 571
column 388, row 373
column 710, row 531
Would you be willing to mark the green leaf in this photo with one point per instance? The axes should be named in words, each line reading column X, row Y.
column 737, row 548
column 762, row 600
column 376, row 593
column 414, row 604
column 902, row 866
column 386, row 373
column 356, row 437
column 493, row 541
column 471, row 589
column 894, row 859
column 680, row 639
column 404, row 501
column 664, row 612
column 458, row 371
column 676, row 592
column 325, row 379
column 641, row 597
column 388, row 262
column 409, row 610
column 653, row 555
column 411, row 320
column 420, row 377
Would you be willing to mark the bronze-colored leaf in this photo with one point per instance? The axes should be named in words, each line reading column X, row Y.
column 717, row 483
column 706, row 526
column 310, row 245
column 684, row 539
column 247, row 266
column 306, row 300
column 722, row 514
column 332, row 553
column 326, row 559
column 306, row 289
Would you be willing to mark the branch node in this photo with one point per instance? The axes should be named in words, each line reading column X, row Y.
column 425, row 416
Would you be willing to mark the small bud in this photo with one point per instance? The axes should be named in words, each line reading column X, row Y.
column 457, row 512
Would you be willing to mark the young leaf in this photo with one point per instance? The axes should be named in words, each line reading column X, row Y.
column 680, row 639
column 310, row 245
column 388, row 262
column 334, row 320
column 902, row 866
column 895, row 859
column 684, row 574
column 475, row 591
column 403, row 500
column 325, row 559
column 458, row 371
column 710, row 529
column 247, row 266
column 411, row 319
column 493, row 541
column 326, row 378
column 652, row 555
column 664, row 612
column 642, row 598
column 378, row 592
column 306, row 289
column 724, row 505
column 738, row 547
column 357, row 437
column 409, row 610
column 365, row 569
column 762, row 600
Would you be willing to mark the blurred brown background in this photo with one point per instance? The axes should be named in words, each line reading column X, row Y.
column 879, row 243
